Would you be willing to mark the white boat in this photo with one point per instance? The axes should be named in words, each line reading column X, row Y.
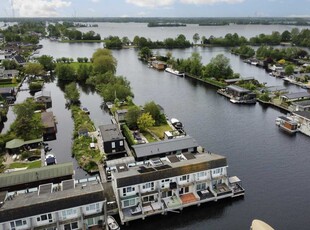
column 288, row 124
column 50, row 159
column 175, row 72
column 260, row 225
column 112, row 224
column 176, row 123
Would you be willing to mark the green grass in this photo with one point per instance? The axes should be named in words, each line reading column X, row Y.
column 77, row 64
column 159, row 130
column 8, row 85
column 34, row 164
column 149, row 137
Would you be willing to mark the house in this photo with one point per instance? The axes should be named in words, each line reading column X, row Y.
column 16, row 144
column 290, row 97
column 165, row 148
column 113, row 141
column 8, row 93
column 20, row 60
column 44, row 97
column 29, row 178
column 172, row 183
column 120, row 115
column 8, row 74
column 69, row 204
column 49, row 124
column 159, row 65
column 303, row 119
column 300, row 105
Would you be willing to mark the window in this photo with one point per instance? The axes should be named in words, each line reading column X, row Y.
column 113, row 145
column 129, row 202
column 92, row 207
column 201, row 186
column 184, row 178
column 217, row 171
column 71, row 226
column 121, row 143
column 201, row 174
column 68, row 212
column 148, row 185
column 17, row 223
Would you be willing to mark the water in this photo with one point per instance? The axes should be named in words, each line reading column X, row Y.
column 273, row 166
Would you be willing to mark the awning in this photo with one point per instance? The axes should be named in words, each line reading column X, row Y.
column 15, row 143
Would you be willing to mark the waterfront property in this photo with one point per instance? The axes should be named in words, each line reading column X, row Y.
column 113, row 141
column 66, row 205
column 303, row 119
column 8, row 93
column 49, row 123
column 165, row 148
column 159, row 65
column 16, row 144
column 120, row 115
column 290, row 97
column 300, row 105
column 238, row 94
column 24, row 179
column 8, row 74
column 44, row 97
column 172, row 183
column 288, row 124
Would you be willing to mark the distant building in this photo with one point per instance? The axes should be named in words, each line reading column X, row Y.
column 49, row 123
column 44, row 97
column 120, row 115
column 159, row 65
column 113, row 141
column 8, row 74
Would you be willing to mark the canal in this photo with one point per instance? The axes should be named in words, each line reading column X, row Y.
column 273, row 166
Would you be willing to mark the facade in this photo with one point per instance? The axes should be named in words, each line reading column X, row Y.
column 113, row 141
column 44, row 97
column 290, row 97
column 172, row 183
column 300, row 105
column 159, row 65
column 8, row 74
column 65, row 206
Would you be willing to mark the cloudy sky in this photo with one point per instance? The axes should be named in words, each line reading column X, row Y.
column 154, row 8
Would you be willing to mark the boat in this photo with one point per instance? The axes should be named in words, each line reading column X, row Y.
column 50, row 159
column 288, row 124
column 248, row 101
column 176, row 123
column 260, row 225
column 85, row 110
column 175, row 72
column 112, row 224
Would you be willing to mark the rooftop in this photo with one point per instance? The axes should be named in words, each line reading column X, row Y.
column 42, row 93
column 188, row 163
column 165, row 146
column 305, row 114
column 48, row 119
column 110, row 132
column 302, row 103
column 296, row 95
column 31, row 203
column 237, row 88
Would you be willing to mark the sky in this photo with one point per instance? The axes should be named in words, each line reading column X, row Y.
column 154, row 8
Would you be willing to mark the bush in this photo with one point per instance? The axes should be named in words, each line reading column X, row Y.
column 127, row 133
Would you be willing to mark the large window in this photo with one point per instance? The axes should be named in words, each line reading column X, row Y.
column 69, row 212
column 184, row 178
column 129, row 203
column 201, row 186
column 92, row 207
column 148, row 185
column 201, row 174
column 45, row 217
column 71, row 226
column 217, row 171
column 17, row 223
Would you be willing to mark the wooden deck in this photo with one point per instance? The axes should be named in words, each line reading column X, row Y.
column 188, row 198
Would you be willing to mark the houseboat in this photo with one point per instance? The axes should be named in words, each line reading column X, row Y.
column 175, row 72
column 288, row 124
column 238, row 95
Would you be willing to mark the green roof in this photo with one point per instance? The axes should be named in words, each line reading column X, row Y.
column 36, row 174
column 16, row 143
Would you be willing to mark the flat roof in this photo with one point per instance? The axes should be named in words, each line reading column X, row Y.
column 31, row 204
column 48, row 119
column 36, row 174
column 237, row 88
column 142, row 174
column 110, row 132
column 305, row 114
column 165, row 146
column 296, row 95
column 302, row 103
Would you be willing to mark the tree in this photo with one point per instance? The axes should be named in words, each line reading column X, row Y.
column 154, row 111
column 101, row 52
column 47, row 62
column 28, row 124
column 196, row 37
column 65, row 72
column 103, row 64
column 145, row 121
column 145, row 53
column 35, row 69
column 289, row 70
column 9, row 64
column 83, row 72
column 132, row 116
column 72, row 94
column 218, row 68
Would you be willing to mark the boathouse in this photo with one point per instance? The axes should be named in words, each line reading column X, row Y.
column 165, row 148
column 44, row 97
column 239, row 92
column 113, row 141
column 164, row 185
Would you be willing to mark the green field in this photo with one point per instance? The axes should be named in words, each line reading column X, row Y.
column 30, row 165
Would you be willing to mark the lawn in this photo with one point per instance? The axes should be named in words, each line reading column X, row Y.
column 159, row 130
column 149, row 137
column 30, row 165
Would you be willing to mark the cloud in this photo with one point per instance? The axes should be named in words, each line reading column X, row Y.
column 210, row 2
column 151, row 3
column 39, row 8
column 95, row 1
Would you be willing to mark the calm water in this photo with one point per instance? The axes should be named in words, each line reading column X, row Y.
column 273, row 166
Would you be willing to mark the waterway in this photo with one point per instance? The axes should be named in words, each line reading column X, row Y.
column 273, row 166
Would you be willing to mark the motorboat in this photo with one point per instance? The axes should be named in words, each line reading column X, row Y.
column 260, row 225
column 175, row 72
column 112, row 224
column 50, row 159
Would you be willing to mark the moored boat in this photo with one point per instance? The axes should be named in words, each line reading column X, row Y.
column 112, row 224
column 288, row 124
column 50, row 159
column 260, row 225
column 176, row 123
column 175, row 72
